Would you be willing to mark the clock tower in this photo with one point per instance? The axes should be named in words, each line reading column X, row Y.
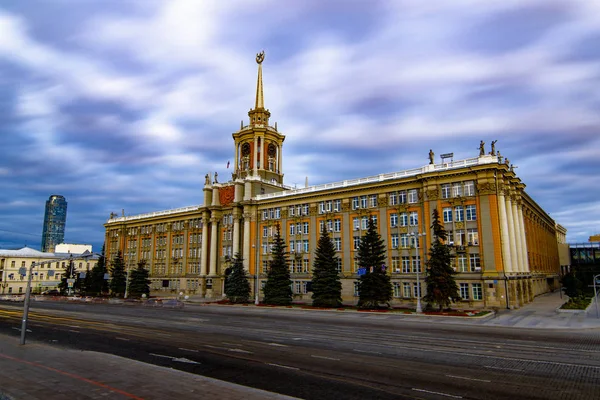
column 258, row 145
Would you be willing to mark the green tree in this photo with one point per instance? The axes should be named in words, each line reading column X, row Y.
column 572, row 286
column 97, row 284
column 278, row 288
column 439, row 276
column 118, row 276
column 70, row 272
column 237, row 286
column 139, row 283
column 326, row 284
column 374, row 286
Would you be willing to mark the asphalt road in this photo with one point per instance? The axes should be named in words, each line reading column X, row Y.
column 326, row 355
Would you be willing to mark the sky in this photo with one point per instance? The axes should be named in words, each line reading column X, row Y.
column 127, row 104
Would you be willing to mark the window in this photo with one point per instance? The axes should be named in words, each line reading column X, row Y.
column 404, row 240
column 460, row 213
column 417, row 290
column 292, row 246
column 337, row 243
column 394, row 240
column 416, row 264
column 460, row 237
column 373, row 200
column 356, row 291
column 292, row 229
column 471, row 212
column 447, row 211
column 397, row 292
column 393, row 220
column 402, row 197
column 477, row 291
column 337, row 225
column 305, row 228
column 363, row 201
column 356, row 223
column 464, row 291
column 414, row 218
column 469, row 188
column 461, row 263
column 406, row 289
column 338, row 267
column 364, row 223
column 337, row 205
column 265, row 231
column 403, row 219
column 475, row 262
column 446, row 191
column 457, row 190
column 406, row 264
column 473, row 237
column 305, row 245
column 413, row 196
column 356, row 242
column 354, row 203
column 393, row 199
column 396, row 264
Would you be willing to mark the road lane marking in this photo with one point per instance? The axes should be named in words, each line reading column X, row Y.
column 231, row 344
column 160, row 355
column 185, row 360
column 438, row 393
column 505, row 369
column 325, row 358
column 240, row 351
column 283, row 366
column 181, row 348
column 122, row 338
column 368, row 352
column 277, row 344
column 73, row 330
column 215, row 347
column 470, row 379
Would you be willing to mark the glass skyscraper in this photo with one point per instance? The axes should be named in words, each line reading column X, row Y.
column 55, row 218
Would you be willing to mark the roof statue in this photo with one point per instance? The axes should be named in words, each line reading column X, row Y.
column 481, row 148
column 260, row 57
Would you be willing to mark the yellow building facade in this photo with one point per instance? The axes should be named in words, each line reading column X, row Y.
column 504, row 244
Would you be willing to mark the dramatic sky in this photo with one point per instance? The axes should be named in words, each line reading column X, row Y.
column 127, row 104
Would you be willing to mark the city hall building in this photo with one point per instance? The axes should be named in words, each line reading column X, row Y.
column 504, row 244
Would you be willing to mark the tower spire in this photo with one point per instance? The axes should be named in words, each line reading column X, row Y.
column 260, row 102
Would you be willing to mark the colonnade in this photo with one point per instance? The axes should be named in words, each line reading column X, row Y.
column 512, row 228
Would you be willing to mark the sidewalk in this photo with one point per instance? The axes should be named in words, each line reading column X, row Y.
column 541, row 314
column 40, row 371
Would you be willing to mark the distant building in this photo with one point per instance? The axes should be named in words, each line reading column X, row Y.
column 44, row 277
column 55, row 218
column 73, row 248
column 505, row 246
column 594, row 238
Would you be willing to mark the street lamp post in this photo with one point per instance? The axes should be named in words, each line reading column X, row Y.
column 416, row 237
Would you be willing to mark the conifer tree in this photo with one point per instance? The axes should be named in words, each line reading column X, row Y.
column 439, row 277
column 97, row 285
column 374, row 286
column 237, row 286
column 118, row 279
column 139, row 283
column 70, row 272
column 326, row 284
column 278, row 288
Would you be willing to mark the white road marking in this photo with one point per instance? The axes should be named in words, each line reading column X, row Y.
column 73, row 330
column 325, row 358
column 470, row 379
column 297, row 338
column 505, row 369
column 277, row 344
column 240, row 351
column 181, row 348
column 122, row 338
column 215, row 347
column 160, row 355
column 369, row 352
column 283, row 366
column 74, row 326
column 231, row 344
column 438, row 393
column 185, row 360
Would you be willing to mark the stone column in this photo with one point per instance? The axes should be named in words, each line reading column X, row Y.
column 214, row 250
column 511, row 236
column 255, row 159
column 517, row 233
column 204, row 259
column 247, row 243
column 524, row 258
column 506, row 261
column 236, row 232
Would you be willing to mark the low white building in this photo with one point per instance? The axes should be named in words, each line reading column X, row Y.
column 15, row 265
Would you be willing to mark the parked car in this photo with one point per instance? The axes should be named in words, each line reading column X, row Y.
column 172, row 303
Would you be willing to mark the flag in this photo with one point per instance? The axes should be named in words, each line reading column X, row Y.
column 227, row 164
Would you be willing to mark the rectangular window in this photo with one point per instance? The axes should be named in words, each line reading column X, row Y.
column 354, row 203
column 394, row 240
column 292, row 229
column 416, row 264
column 356, row 223
column 461, row 263
column 460, row 237
column 404, row 240
column 292, row 211
column 469, row 188
column 459, row 213
column 305, row 228
column 304, row 209
column 363, row 201
column 473, row 237
column 413, row 196
column 464, row 291
column 356, row 291
column 322, row 207
column 292, row 247
column 446, row 191
column 457, row 190
column 393, row 199
column 402, row 197
column 393, row 220
column 475, row 262
column 477, row 291
column 337, row 205
column 397, row 292
column 338, row 267
column 356, row 242
column 471, row 212
column 337, row 243
column 414, row 218
column 396, row 264
column 373, row 200
column 337, row 225
column 447, row 214
column 406, row 264
column 364, row 223
column 406, row 289
column 305, row 246
column 403, row 219
column 417, row 290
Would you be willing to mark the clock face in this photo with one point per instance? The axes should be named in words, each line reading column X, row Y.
column 245, row 149
column 272, row 150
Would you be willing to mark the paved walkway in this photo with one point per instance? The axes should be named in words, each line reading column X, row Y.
column 40, row 371
column 541, row 314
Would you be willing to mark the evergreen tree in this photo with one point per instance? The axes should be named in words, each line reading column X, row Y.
column 278, row 288
column 571, row 285
column 70, row 272
column 139, row 283
column 237, row 286
column 375, row 286
column 97, row 284
column 326, row 285
column 118, row 276
column 439, row 277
